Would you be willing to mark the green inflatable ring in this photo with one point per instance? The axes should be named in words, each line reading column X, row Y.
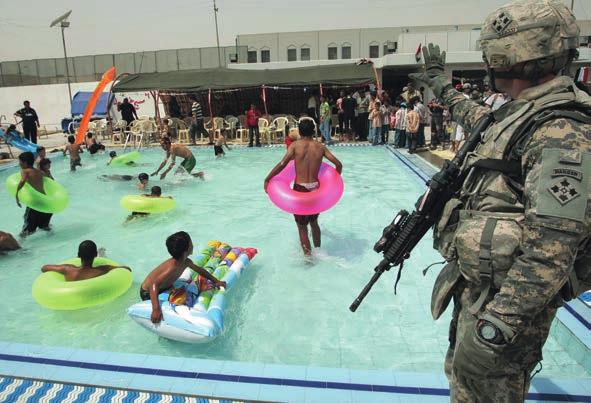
column 54, row 200
column 125, row 159
column 143, row 204
column 52, row 291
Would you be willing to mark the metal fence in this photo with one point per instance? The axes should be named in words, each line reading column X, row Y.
column 91, row 68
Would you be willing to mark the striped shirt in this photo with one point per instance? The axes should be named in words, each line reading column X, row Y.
column 196, row 110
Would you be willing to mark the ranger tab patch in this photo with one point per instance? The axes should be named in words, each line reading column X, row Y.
column 573, row 173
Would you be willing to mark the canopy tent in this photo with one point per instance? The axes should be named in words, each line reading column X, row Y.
column 222, row 78
column 81, row 99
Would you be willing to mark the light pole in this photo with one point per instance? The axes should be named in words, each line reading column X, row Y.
column 63, row 24
column 217, row 34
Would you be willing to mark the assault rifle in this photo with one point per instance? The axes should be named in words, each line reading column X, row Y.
column 407, row 229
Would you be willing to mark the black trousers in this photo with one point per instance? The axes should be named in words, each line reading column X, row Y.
column 349, row 123
column 197, row 128
column 30, row 133
column 436, row 130
column 252, row 132
column 362, row 126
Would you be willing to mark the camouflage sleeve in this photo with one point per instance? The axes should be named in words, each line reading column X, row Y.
column 557, row 165
column 463, row 110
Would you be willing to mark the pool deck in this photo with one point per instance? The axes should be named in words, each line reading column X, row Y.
column 29, row 373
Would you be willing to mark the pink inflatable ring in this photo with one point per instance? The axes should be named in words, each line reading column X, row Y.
column 301, row 203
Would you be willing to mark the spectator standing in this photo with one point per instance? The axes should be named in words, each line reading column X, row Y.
column 252, row 121
column 375, row 117
column 436, row 108
column 30, row 121
column 128, row 112
column 459, row 132
column 341, row 113
column 410, row 93
column 349, row 105
column 385, row 111
column 400, row 136
column 197, row 125
column 423, row 120
column 363, row 116
column 313, row 107
column 412, row 128
column 325, row 117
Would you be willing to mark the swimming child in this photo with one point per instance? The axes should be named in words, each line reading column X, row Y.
column 91, row 145
column 74, row 150
column 87, row 251
column 113, row 155
column 180, row 247
column 45, row 167
column 41, row 153
column 217, row 148
column 293, row 135
column 156, row 191
column 29, row 174
column 173, row 151
column 143, row 179
column 7, row 242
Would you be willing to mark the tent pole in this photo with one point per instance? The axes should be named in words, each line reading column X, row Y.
column 264, row 92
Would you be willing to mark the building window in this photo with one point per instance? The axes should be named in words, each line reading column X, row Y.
column 252, row 56
column 332, row 53
column 265, row 56
column 292, row 55
column 374, row 51
column 346, row 52
column 390, row 47
column 305, row 54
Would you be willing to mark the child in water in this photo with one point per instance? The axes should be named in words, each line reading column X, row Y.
column 113, row 155
column 87, row 251
column 75, row 150
column 45, row 167
column 29, row 174
column 162, row 278
column 156, row 191
column 218, row 150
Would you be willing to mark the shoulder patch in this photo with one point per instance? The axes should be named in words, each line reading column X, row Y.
column 563, row 184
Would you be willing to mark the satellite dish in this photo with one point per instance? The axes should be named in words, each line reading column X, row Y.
column 60, row 19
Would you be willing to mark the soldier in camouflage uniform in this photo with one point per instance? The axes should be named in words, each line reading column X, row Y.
column 516, row 237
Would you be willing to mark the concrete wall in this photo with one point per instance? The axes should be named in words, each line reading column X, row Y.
column 51, row 101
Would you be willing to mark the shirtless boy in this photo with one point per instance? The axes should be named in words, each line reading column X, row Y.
column 307, row 154
column 29, row 174
column 180, row 247
column 86, row 252
column 218, row 149
column 177, row 150
column 74, row 150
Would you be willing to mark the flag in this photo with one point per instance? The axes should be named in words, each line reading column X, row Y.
column 418, row 53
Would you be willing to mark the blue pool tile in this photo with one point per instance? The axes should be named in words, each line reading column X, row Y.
column 5, row 346
column 58, row 353
column 421, row 380
column 242, row 368
column 126, row 359
column 288, row 394
column 232, row 390
column 88, row 356
column 192, row 387
column 28, row 350
column 586, row 385
column 285, row 371
column 27, row 370
column 376, row 397
column 559, row 387
column 200, row 365
column 328, row 396
column 328, row 374
column 373, row 377
column 112, row 379
column 162, row 362
column 150, row 383
column 73, row 375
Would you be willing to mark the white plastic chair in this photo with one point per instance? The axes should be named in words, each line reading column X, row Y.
column 278, row 127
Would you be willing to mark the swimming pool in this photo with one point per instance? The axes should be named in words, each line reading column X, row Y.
column 282, row 310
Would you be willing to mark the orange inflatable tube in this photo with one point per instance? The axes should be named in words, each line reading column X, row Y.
column 108, row 76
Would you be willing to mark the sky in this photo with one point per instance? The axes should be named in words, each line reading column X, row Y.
column 117, row 26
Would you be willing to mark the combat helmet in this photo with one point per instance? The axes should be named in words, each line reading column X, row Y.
column 529, row 39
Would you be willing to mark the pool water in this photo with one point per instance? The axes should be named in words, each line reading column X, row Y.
column 283, row 309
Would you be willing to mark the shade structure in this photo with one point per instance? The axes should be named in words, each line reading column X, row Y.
column 223, row 78
column 81, row 99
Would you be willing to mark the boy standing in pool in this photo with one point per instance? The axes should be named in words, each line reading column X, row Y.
column 307, row 155
column 87, row 251
column 29, row 174
column 74, row 150
column 177, row 150
column 218, row 149
column 180, row 247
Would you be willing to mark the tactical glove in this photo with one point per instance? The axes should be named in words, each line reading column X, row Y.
column 434, row 74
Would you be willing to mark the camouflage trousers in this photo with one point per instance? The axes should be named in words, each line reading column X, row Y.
column 511, row 381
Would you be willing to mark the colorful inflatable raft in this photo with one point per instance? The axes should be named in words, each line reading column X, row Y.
column 193, row 311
